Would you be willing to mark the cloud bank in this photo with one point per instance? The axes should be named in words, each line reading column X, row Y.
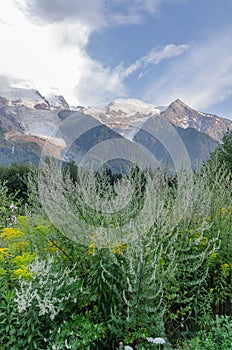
column 44, row 45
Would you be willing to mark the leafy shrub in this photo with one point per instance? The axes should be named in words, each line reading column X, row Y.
column 218, row 336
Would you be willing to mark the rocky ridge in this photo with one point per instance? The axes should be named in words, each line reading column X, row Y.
column 25, row 115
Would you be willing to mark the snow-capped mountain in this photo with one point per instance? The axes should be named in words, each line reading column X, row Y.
column 179, row 114
column 26, row 116
column 31, row 98
column 125, row 116
column 57, row 102
column 13, row 96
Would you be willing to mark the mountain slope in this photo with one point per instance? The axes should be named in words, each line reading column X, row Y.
column 181, row 115
column 197, row 145
column 127, row 116
column 25, row 128
column 28, row 120
column 123, row 115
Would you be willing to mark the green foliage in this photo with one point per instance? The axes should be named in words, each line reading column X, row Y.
column 223, row 153
column 77, row 333
column 15, row 178
column 172, row 279
column 217, row 337
column 6, row 199
column 19, row 331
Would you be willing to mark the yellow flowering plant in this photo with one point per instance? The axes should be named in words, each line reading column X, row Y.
column 21, row 245
column 118, row 248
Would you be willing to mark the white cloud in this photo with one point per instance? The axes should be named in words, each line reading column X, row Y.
column 44, row 46
column 48, row 51
column 150, row 5
column 202, row 77
column 52, row 57
column 155, row 56
column 87, row 12
column 32, row 53
column 98, row 85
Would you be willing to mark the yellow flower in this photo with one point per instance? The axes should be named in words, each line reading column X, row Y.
column 52, row 247
column 8, row 233
column 22, row 245
column 24, row 259
column 225, row 266
column 93, row 245
column 118, row 248
column 92, row 248
column 22, row 273
column 227, row 210
column 4, row 252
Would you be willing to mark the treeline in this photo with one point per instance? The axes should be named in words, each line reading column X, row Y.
column 15, row 175
column 15, row 178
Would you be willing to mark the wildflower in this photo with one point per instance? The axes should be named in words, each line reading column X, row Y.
column 92, row 248
column 24, row 260
column 13, row 208
column 4, row 252
column 118, row 248
column 150, row 339
column 156, row 340
column 225, row 266
column 52, row 247
column 22, row 245
column 159, row 341
column 22, row 273
column 9, row 233
column 127, row 347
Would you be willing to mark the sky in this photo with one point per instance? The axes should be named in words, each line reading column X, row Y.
column 95, row 51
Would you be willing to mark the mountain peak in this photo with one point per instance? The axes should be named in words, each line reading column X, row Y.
column 181, row 115
column 30, row 98
column 57, row 102
column 22, row 97
column 178, row 101
column 132, row 106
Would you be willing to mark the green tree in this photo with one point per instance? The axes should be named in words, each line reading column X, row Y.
column 223, row 152
column 15, row 178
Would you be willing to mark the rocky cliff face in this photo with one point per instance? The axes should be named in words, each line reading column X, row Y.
column 128, row 116
column 31, row 98
column 27, row 116
column 125, row 116
column 179, row 114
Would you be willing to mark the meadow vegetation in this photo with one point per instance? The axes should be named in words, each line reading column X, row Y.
column 81, row 270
